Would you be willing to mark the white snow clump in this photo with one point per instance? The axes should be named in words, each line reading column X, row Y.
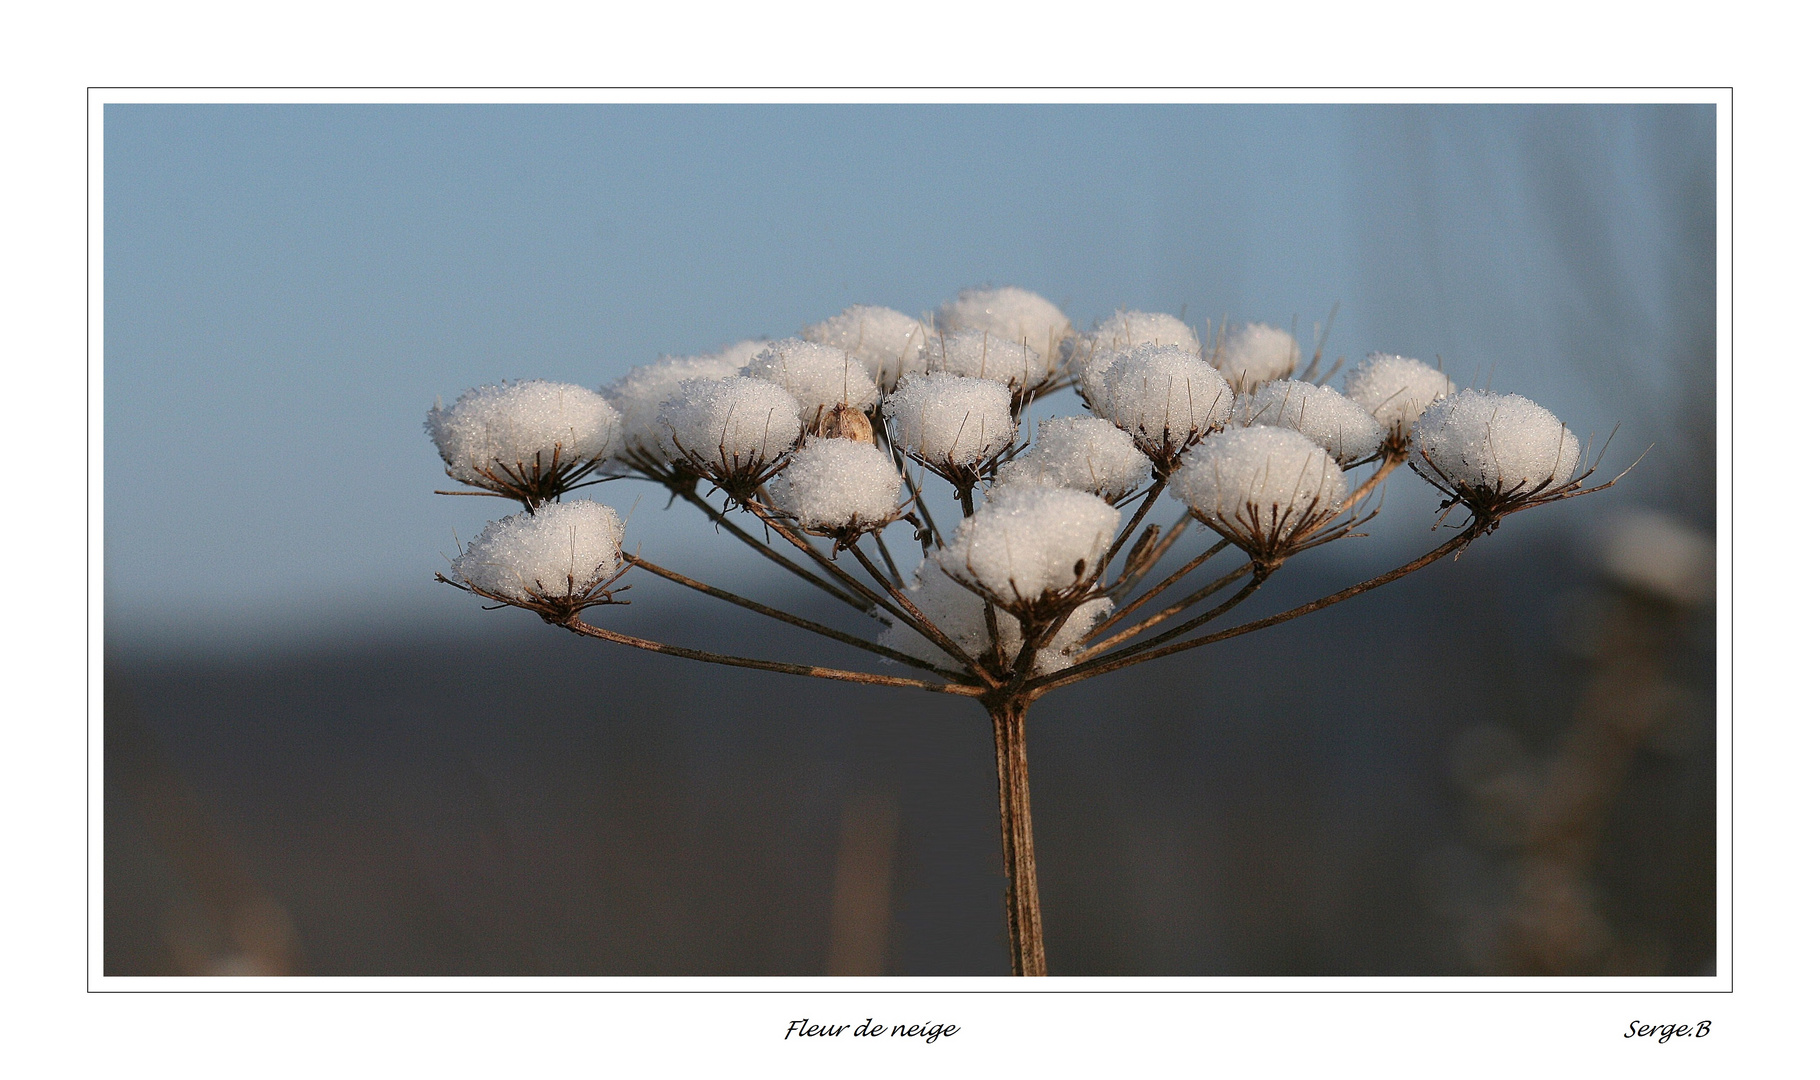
column 512, row 436
column 979, row 355
column 887, row 342
column 1259, row 486
column 1396, row 389
column 562, row 553
column 733, row 425
column 1127, row 329
column 961, row 614
column 820, row 376
column 1494, row 445
column 1031, row 541
column 837, row 485
column 1164, row 396
column 641, row 392
column 1084, row 453
column 1255, row 355
column 1016, row 315
column 1337, row 423
column 950, row 421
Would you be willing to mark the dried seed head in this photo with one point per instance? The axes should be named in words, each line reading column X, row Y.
column 556, row 562
column 847, row 422
column 1269, row 490
column 529, row 441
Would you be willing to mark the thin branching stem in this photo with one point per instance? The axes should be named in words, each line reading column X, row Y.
column 1389, row 465
column 1150, row 498
column 765, row 549
column 1166, row 614
column 1115, row 662
column 802, row 544
column 1158, row 589
column 836, row 674
column 923, row 625
column 784, row 616
column 1134, row 575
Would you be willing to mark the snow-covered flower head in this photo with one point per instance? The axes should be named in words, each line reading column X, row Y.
column 1256, row 354
column 839, row 488
column 961, row 614
column 1084, row 453
column 1395, row 390
column 980, row 355
column 1032, row 547
column 821, row 377
column 1127, row 329
column 1016, row 315
column 1496, row 453
column 953, row 424
column 887, row 342
column 734, row 431
column 1269, row 490
column 645, row 445
column 1168, row 399
column 557, row 561
column 529, row 441
column 1340, row 425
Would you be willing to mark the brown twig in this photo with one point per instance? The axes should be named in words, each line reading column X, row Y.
column 1113, row 663
column 1138, row 604
column 836, row 674
column 765, row 549
column 1167, row 613
column 793, row 620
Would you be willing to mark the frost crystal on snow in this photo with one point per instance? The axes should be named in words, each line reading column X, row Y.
column 527, row 440
column 638, row 395
column 961, row 614
column 1029, row 542
column 979, row 355
column 1256, row 354
column 559, row 559
column 1340, row 425
column 1395, row 390
column 1165, row 397
column 838, row 485
column 1488, row 447
column 1084, row 453
column 821, row 377
column 950, row 422
column 1016, row 315
column 1263, row 488
column 734, row 430
column 888, row 342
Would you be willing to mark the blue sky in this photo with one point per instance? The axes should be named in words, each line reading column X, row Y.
column 287, row 288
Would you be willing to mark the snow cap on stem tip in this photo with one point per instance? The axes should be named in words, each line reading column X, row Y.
column 951, row 422
column 529, row 441
column 1012, row 314
column 961, row 614
column 821, row 377
column 1340, row 425
column 732, row 431
column 839, row 487
column 1128, row 329
column 1256, row 354
column 980, row 355
column 1267, row 489
column 1493, row 452
column 1084, row 453
column 556, row 562
column 641, row 392
column 1029, row 544
column 887, row 342
column 1396, row 389
column 1165, row 397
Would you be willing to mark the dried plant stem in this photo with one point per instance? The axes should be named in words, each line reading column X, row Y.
column 1133, row 576
column 1138, row 604
column 1170, row 612
column 784, row 616
column 764, row 549
column 1392, row 459
column 922, row 624
column 1143, row 651
column 1023, row 911
column 836, row 674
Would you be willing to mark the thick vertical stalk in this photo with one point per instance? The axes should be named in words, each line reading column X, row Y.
column 1023, row 913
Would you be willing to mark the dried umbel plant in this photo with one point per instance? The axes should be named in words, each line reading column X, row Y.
column 822, row 450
